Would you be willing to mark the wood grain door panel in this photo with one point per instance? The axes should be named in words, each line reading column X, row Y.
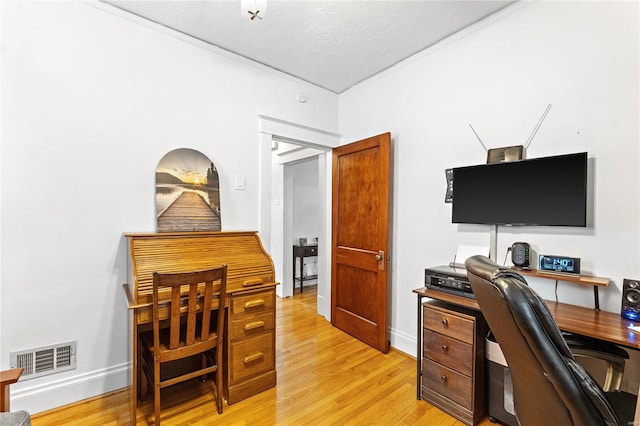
column 360, row 234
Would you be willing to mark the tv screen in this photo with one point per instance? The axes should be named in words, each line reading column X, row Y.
column 548, row 191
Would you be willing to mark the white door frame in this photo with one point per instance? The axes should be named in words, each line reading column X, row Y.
column 279, row 243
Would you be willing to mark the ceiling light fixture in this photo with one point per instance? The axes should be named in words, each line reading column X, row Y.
column 253, row 9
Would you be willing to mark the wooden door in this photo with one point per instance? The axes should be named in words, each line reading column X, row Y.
column 360, row 215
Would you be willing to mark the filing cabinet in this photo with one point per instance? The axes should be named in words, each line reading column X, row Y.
column 453, row 364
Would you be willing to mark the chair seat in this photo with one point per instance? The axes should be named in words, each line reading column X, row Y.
column 183, row 350
column 15, row 418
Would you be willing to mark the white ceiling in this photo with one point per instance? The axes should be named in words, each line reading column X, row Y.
column 332, row 44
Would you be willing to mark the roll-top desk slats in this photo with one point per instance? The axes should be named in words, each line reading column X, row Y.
column 250, row 272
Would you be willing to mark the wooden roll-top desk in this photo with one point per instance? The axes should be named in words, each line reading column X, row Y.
column 249, row 361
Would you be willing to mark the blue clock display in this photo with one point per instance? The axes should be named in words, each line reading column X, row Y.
column 559, row 264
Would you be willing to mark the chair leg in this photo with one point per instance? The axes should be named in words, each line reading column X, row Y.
column 156, row 405
column 218, row 377
column 156, row 392
column 218, row 385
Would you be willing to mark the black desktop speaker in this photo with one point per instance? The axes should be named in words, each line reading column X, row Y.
column 520, row 255
column 631, row 299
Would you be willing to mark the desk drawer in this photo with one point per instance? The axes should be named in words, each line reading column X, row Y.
column 250, row 325
column 448, row 351
column 448, row 323
column 310, row 251
column 447, row 382
column 251, row 357
column 252, row 302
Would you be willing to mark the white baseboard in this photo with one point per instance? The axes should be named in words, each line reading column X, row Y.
column 403, row 342
column 323, row 308
column 52, row 394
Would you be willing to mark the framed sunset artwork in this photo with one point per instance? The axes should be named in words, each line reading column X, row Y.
column 187, row 192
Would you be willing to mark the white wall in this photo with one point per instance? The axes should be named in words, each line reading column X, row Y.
column 305, row 205
column 91, row 101
column 305, row 199
column 499, row 76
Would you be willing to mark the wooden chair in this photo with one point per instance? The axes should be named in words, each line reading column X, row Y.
column 192, row 329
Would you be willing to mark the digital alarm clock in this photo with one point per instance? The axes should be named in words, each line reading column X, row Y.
column 565, row 264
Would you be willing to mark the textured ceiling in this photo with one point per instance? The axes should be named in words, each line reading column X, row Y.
column 332, row 44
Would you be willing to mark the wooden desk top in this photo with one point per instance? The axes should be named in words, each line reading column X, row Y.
column 607, row 326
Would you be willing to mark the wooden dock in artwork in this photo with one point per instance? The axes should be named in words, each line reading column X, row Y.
column 189, row 212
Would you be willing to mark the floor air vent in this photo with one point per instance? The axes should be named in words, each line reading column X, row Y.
column 45, row 360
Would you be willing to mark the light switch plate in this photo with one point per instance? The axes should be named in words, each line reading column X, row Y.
column 240, row 182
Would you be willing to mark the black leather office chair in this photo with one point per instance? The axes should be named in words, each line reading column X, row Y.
column 549, row 386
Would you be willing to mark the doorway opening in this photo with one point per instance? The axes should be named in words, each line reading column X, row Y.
column 302, row 219
column 276, row 192
column 297, row 217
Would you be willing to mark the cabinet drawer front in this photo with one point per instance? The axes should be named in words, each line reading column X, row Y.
column 253, row 302
column 252, row 356
column 447, row 382
column 447, row 351
column 250, row 325
column 449, row 324
column 311, row 251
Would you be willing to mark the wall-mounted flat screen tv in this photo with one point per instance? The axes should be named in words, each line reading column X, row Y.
column 548, row 191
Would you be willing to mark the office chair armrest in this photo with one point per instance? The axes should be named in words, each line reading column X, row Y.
column 613, row 355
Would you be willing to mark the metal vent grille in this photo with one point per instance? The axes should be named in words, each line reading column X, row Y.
column 45, row 360
column 25, row 361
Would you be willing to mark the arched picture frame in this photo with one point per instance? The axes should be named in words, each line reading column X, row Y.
column 187, row 192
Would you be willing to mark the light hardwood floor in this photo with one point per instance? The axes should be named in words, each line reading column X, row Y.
column 325, row 377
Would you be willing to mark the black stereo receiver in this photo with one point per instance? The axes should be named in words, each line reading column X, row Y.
column 448, row 280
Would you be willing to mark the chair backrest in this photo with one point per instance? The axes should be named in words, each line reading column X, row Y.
column 190, row 299
column 549, row 387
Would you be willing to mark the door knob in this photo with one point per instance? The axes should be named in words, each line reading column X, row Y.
column 380, row 260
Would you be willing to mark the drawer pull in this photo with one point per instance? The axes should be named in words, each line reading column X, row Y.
column 254, row 304
column 445, row 322
column 253, row 357
column 251, row 282
column 253, row 325
column 445, row 348
column 443, row 379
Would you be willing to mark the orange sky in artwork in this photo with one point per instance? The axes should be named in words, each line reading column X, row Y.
column 186, row 164
column 186, row 176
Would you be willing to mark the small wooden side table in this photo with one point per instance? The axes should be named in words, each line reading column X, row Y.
column 303, row 251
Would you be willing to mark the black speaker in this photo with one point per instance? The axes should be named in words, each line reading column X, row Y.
column 520, row 255
column 631, row 299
